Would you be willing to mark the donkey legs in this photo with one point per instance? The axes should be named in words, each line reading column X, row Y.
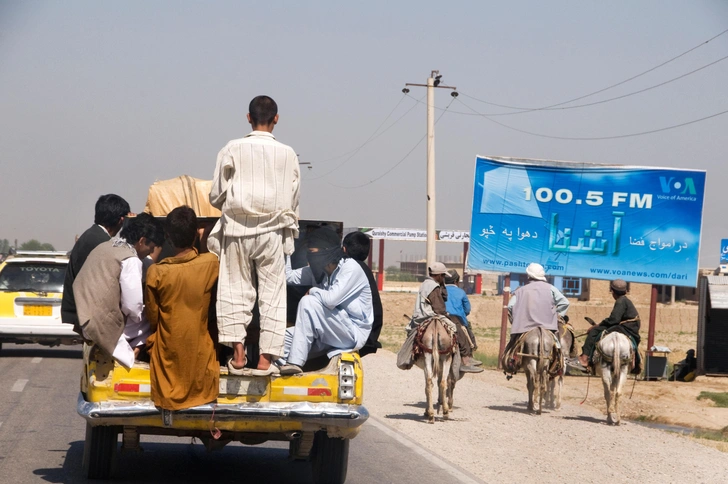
column 531, row 375
column 608, row 381
column 429, row 388
column 445, row 391
column 614, row 419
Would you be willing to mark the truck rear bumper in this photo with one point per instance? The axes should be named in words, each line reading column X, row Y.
column 140, row 413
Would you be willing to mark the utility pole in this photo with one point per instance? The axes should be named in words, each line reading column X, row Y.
column 432, row 82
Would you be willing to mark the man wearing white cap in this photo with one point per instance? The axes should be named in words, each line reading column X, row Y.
column 538, row 303
column 430, row 303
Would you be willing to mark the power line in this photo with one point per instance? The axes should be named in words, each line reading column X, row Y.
column 400, row 161
column 649, row 88
column 371, row 138
column 603, row 100
column 594, row 138
column 603, row 89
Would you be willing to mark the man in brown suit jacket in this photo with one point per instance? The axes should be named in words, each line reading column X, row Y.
column 108, row 289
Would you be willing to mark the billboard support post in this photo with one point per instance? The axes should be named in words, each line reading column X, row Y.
column 653, row 311
column 504, row 318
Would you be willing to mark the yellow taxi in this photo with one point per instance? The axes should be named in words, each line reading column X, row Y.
column 31, row 286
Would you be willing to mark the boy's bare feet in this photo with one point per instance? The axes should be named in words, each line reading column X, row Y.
column 264, row 361
column 238, row 360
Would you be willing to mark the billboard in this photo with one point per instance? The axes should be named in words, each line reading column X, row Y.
column 641, row 224
column 724, row 251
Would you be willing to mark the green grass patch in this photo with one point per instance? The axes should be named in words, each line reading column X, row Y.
column 489, row 361
column 720, row 399
column 716, row 435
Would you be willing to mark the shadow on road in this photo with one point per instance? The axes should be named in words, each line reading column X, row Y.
column 584, row 418
column 515, row 408
column 417, row 417
column 57, row 352
column 189, row 462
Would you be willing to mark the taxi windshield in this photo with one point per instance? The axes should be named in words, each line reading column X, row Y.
column 32, row 277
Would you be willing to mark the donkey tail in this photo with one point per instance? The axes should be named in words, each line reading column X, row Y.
column 436, row 347
column 616, row 360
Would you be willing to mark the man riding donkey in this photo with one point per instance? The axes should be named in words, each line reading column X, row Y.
column 538, row 303
column 624, row 319
column 431, row 303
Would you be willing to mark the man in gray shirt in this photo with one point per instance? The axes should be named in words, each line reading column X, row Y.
column 538, row 303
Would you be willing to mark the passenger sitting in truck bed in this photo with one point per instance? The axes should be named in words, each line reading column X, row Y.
column 336, row 314
column 108, row 289
column 183, row 365
column 357, row 245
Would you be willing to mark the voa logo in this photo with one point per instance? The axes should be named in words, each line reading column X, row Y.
column 669, row 184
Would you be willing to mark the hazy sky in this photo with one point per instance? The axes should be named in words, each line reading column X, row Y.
column 107, row 97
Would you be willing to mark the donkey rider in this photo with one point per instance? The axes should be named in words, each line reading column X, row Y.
column 430, row 303
column 538, row 303
column 624, row 319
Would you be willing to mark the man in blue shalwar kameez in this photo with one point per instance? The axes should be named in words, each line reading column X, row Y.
column 336, row 314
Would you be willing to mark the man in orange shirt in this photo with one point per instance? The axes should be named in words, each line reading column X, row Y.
column 183, row 364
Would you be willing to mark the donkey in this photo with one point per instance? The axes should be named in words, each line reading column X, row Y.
column 613, row 356
column 436, row 347
column 538, row 347
column 556, row 383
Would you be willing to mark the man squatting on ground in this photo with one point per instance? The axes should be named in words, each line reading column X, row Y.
column 256, row 186
column 108, row 289
column 624, row 319
column 458, row 306
column 109, row 214
column 538, row 303
column 357, row 245
column 336, row 314
column 430, row 303
column 183, row 366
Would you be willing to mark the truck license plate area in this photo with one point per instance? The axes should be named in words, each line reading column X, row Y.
column 243, row 386
column 35, row 310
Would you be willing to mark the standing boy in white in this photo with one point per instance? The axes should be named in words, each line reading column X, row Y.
column 256, row 186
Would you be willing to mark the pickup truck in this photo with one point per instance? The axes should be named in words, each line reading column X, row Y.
column 316, row 412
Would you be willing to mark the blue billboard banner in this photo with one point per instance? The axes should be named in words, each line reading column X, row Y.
column 640, row 224
column 724, row 251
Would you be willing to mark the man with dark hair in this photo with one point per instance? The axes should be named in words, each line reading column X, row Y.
column 624, row 319
column 263, row 111
column 357, row 245
column 110, row 212
column 336, row 314
column 255, row 185
column 108, row 289
column 183, row 365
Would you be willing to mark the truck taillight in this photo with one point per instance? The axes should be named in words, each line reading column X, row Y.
column 347, row 379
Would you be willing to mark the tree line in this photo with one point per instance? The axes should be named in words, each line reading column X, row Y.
column 32, row 244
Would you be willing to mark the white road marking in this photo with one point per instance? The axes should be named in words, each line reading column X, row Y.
column 37, row 359
column 19, row 385
column 431, row 457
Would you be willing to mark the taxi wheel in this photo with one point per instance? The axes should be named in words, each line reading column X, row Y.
column 99, row 451
column 330, row 459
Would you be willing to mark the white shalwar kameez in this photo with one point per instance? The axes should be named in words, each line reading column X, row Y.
column 335, row 315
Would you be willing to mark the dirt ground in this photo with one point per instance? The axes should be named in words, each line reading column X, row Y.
column 667, row 402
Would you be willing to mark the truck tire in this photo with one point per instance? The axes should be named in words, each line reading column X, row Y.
column 329, row 459
column 99, row 451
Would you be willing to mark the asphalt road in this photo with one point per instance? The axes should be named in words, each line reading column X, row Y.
column 42, row 439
